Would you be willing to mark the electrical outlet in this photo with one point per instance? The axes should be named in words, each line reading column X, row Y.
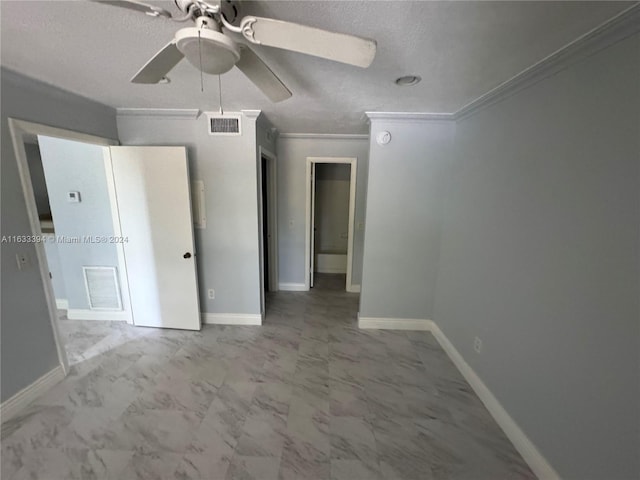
column 212, row 294
column 477, row 345
column 23, row 260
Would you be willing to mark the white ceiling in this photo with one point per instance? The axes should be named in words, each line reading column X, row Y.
column 461, row 50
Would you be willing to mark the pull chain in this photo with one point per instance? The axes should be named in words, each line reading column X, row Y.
column 220, row 94
column 200, row 55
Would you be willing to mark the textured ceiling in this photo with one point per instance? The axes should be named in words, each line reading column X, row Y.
column 461, row 50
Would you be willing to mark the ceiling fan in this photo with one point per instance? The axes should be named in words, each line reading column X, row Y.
column 210, row 47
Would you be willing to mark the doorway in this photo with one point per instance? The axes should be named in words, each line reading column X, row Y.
column 330, row 206
column 89, row 220
column 25, row 141
column 268, row 224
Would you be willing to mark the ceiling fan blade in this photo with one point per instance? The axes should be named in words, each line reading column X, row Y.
column 338, row 47
column 156, row 68
column 150, row 10
column 261, row 75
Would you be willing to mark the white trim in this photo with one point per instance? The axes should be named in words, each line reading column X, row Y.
column 122, row 273
column 272, row 165
column 62, row 304
column 332, row 270
column 409, row 116
column 395, row 323
column 353, row 288
column 12, row 406
column 176, row 113
column 623, row 25
column 293, row 287
column 86, row 314
column 231, row 318
column 353, row 162
column 536, row 461
column 326, row 136
column 251, row 114
column 19, row 130
column 531, row 455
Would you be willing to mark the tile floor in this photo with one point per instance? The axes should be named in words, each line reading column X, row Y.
column 306, row 396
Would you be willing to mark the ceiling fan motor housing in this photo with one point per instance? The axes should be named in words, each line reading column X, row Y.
column 206, row 48
column 229, row 8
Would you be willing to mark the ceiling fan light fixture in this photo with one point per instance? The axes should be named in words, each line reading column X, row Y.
column 217, row 52
column 408, row 80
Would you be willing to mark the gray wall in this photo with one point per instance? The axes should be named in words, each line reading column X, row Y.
column 292, row 155
column 28, row 348
column 227, row 250
column 75, row 166
column 404, row 213
column 540, row 258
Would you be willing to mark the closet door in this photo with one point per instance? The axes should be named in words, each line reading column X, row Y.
column 152, row 188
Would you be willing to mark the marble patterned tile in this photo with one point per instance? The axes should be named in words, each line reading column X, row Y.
column 151, row 466
column 161, row 430
column 253, row 468
column 202, row 467
column 307, row 395
column 302, row 459
column 177, row 394
column 353, row 470
column 352, row 438
column 261, row 437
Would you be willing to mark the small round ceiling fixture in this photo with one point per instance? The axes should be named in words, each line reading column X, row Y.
column 408, row 80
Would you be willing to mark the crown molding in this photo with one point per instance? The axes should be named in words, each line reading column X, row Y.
column 184, row 113
column 409, row 116
column 623, row 25
column 252, row 114
column 326, row 136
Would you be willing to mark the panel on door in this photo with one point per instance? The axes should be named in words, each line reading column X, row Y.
column 152, row 188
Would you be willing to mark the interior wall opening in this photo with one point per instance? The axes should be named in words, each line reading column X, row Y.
column 331, row 226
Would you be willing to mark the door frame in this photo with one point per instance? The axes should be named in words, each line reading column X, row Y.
column 20, row 130
column 353, row 163
column 272, row 227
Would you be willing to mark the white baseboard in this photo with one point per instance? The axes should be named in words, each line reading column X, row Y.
column 292, row 287
column 81, row 314
column 354, row 289
column 24, row 397
column 531, row 455
column 62, row 304
column 232, row 318
column 394, row 323
column 325, row 269
column 540, row 466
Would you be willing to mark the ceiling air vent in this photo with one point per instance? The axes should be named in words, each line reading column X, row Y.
column 224, row 124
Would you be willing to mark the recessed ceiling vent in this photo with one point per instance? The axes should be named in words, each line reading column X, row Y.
column 224, row 124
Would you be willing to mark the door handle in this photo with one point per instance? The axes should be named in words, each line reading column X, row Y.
column 187, row 255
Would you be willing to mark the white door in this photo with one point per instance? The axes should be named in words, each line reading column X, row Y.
column 152, row 188
column 313, row 223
